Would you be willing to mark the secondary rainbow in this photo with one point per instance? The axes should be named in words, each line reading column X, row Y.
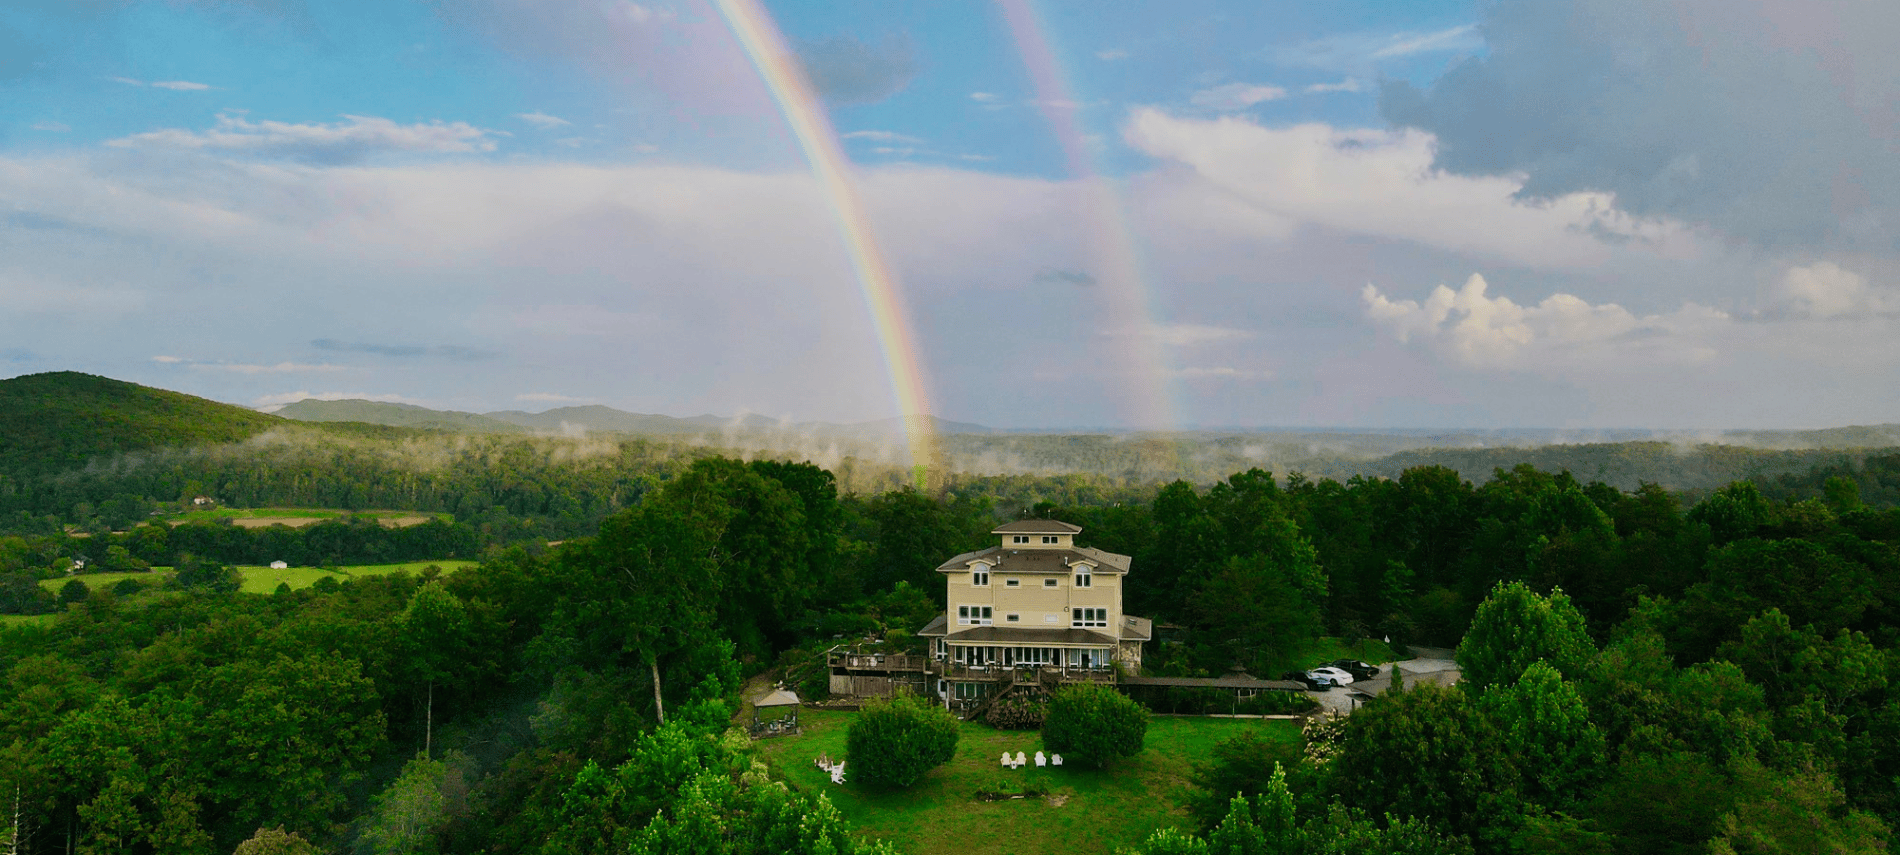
column 759, row 36
column 1147, row 400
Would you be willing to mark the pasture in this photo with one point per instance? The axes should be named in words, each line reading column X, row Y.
column 1084, row 810
column 264, row 580
column 293, row 517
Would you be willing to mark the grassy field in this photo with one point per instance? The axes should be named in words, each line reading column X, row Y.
column 1099, row 810
column 264, row 580
column 294, row 517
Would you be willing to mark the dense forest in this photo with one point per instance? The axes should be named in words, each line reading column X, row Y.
column 1645, row 671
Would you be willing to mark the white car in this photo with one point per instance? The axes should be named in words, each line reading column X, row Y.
column 1338, row 675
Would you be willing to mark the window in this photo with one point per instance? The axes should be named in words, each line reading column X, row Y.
column 1011, row 583
column 1082, row 577
column 1050, row 538
column 1048, row 583
column 980, row 575
column 968, row 691
column 1012, row 618
column 1088, row 617
column 1019, row 538
column 973, row 615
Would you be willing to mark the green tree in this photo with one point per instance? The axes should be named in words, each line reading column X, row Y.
column 72, row 592
column 1803, row 814
column 1515, row 627
column 434, row 631
column 894, row 743
column 1427, row 751
column 1545, row 730
column 276, row 841
column 1093, row 724
column 406, row 816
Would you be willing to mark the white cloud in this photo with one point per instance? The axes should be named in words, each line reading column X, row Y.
column 1235, row 96
column 1360, row 53
column 179, row 85
column 352, row 139
column 1563, row 332
column 1464, row 37
column 55, row 127
column 1350, row 84
column 642, row 15
column 882, row 136
column 1183, row 335
column 1382, row 183
column 1825, row 290
column 1220, row 373
column 543, row 120
column 985, row 97
column 127, row 81
column 250, row 368
column 1111, row 54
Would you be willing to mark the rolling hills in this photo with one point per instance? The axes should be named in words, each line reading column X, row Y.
column 61, row 419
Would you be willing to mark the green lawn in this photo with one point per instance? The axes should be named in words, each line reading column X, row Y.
column 1104, row 809
column 264, row 580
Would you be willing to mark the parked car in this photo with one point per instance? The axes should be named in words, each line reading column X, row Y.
column 1339, row 675
column 1314, row 682
column 1359, row 670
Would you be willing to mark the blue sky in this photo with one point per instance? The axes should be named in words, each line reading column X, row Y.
column 1575, row 213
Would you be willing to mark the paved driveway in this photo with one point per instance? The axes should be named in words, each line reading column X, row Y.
column 1432, row 666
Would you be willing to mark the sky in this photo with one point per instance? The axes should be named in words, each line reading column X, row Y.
column 1674, row 214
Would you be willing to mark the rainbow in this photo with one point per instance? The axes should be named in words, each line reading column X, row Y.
column 759, row 36
column 1148, row 401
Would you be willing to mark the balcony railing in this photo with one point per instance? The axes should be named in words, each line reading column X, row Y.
column 879, row 662
column 1027, row 674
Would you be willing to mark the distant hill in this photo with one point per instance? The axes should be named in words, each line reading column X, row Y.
column 592, row 419
column 57, row 421
column 395, row 415
column 599, row 419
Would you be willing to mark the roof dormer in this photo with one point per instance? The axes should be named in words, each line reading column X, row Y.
column 1037, row 534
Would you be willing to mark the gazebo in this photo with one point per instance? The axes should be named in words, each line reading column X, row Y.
column 780, row 702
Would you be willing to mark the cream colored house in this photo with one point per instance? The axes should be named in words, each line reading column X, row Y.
column 1033, row 610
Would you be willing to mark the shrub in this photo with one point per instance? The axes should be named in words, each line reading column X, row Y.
column 1092, row 723
column 1022, row 713
column 893, row 743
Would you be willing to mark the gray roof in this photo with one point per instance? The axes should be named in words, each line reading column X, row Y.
column 1036, row 527
column 778, row 698
column 1137, row 628
column 935, row 627
column 1058, row 561
column 1215, row 683
column 1029, row 635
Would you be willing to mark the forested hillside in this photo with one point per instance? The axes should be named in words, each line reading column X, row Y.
column 58, row 421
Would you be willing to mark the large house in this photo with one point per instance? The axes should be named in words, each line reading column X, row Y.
column 1034, row 610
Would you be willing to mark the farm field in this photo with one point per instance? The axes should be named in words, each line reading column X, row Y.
column 1104, row 809
column 264, row 580
column 294, row 517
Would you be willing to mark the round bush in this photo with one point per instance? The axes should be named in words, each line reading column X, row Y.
column 893, row 743
column 1092, row 723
